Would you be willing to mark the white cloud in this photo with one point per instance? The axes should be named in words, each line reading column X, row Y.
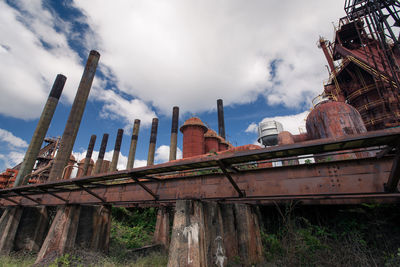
column 252, row 128
column 162, row 154
column 12, row 149
column 291, row 123
column 116, row 107
column 32, row 54
column 189, row 53
column 11, row 139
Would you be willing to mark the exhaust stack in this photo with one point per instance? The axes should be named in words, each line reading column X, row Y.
column 153, row 139
column 221, row 122
column 117, row 148
column 89, row 153
column 174, row 134
column 41, row 129
column 75, row 117
column 102, row 151
column 132, row 149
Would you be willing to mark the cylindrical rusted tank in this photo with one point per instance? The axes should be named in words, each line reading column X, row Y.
column 70, row 166
column 193, row 131
column 81, row 165
column 223, row 145
column 331, row 119
column 211, row 141
column 286, row 138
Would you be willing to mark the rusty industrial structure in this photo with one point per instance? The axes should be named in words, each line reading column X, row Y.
column 214, row 190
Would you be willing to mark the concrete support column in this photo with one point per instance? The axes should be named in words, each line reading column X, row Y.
column 94, row 228
column 99, row 162
column 88, row 157
column 32, row 229
column 153, row 139
column 212, row 234
column 174, row 134
column 62, row 234
column 8, row 227
column 132, row 149
column 41, row 130
column 161, row 233
column 75, row 117
column 117, row 148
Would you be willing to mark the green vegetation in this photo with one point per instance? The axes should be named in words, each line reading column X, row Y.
column 364, row 235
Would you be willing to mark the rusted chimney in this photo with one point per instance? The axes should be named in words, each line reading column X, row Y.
column 117, row 148
column 102, row 151
column 88, row 157
column 41, row 129
column 153, row 139
column 174, row 133
column 75, row 117
column 132, row 149
column 221, row 122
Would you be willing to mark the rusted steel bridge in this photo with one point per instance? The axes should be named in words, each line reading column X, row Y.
column 240, row 177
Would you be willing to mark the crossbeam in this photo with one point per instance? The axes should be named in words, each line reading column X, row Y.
column 168, row 182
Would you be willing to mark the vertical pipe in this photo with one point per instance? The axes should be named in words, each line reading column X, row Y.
column 117, row 148
column 89, row 153
column 41, row 129
column 152, row 145
column 132, row 149
column 102, row 151
column 174, row 133
column 75, row 117
column 221, row 123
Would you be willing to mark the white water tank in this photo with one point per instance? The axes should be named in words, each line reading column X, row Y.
column 268, row 132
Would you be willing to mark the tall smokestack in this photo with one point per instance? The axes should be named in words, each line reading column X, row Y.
column 174, row 133
column 117, row 148
column 132, row 149
column 89, row 153
column 75, row 117
column 152, row 145
column 41, row 129
column 102, row 151
column 221, row 123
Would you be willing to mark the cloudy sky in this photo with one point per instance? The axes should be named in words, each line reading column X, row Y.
column 260, row 57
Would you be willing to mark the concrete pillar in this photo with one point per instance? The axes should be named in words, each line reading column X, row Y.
column 221, row 121
column 212, row 234
column 94, row 228
column 153, row 139
column 132, row 149
column 75, row 117
column 8, row 227
column 32, row 229
column 62, row 234
column 99, row 162
column 88, row 157
column 161, row 233
column 117, row 148
column 174, row 134
column 41, row 130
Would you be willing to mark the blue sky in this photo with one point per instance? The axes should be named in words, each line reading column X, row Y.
column 260, row 57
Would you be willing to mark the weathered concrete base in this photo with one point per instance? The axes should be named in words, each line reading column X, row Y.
column 32, row 229
column 212, row 234
column 62, row 234
column 161, row 233
column 94, row 228
column 9, row 222
column 77, row 226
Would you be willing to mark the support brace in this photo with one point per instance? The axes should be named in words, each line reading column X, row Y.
column 145, row 188
column 393, row 181
column 226, row 173
column 90, row 192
